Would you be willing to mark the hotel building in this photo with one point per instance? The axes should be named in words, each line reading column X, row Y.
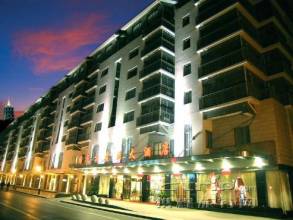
column 190, row 100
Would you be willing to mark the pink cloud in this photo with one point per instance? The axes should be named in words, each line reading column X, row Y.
column 52, row 49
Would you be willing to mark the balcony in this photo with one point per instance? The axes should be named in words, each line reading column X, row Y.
column 230, row 59
column 224, row 27
column 83, row 137
column 86, row 118
column 153, row 117
column 210, row 8
column 156, row 90
column 156, row 66
column 74, row 123
column 44, row 146
column 79, row 91
column 158, row 23
column 72, row 140
column 156, row 43
column 231, row 94
column 89, row 101
column 77, row 107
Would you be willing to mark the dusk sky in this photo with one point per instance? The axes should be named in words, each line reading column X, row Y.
column 41, row 41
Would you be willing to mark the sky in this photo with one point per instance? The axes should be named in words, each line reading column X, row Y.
column 42, row 40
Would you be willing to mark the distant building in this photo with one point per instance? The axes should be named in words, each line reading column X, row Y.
column 1, row 109
column 8, row 111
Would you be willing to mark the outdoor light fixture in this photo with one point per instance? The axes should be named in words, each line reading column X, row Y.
column 157, row 169
column 258, row 162
column 199, row 167
column 126, row 170
column 176, row 169
column 226, row 165
column 21, row 176
column 38, row 169
column 114, row 171
column 140, row 171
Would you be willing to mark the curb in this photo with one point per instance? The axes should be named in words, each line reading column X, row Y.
column 113, row 210
column 35, row 195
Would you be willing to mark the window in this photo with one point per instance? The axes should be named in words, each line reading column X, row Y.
column 187, row 97
column 132, row 73
column 187, row 69
column 242, row 136
column 100, row 107
column 133, row 53
column 209, row 139
column 126, row 145
column 98, row 127
column 130, row 94
column 129, row 116
column 102, row 89
column 104, row 72
column 185, row 20
column 186, row 43
column 118, row 69
column 187, row 140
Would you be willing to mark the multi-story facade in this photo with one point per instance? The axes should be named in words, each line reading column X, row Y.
column 8, row 111
column 189, row 100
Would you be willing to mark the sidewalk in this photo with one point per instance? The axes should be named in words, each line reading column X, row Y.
column 173, row 213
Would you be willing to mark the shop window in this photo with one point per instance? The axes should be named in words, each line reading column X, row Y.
column 126, row 145
column 242, row 136
column 187, row 97
column 130, row 94
column 186, row 43
column 100, row 107
column 187, row 140
column 187, row 69
column 185, row 20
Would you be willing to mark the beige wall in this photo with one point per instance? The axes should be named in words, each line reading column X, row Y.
column 271, row 123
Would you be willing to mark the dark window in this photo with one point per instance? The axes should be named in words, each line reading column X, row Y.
column 118, row 69
column 100, row 107
column 130, row 94
column 133, row 53
column 104, row 73
column 132, row 73
column 186, row 43
column 209, row 139
column 187, row 97
column 242, row 136
column 185, row 21
column 102, row 89
column 98, row 127
column 187, row 69
column 129, row 116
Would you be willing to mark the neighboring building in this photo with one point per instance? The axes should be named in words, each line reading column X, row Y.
column 1, row 109
column 8, row 111
column 203, row 116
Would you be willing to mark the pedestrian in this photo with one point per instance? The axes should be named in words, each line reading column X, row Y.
column 2, row 185
column 7, row 186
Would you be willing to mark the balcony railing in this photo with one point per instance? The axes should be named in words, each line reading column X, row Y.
column 155, row 117
column 237, row 56
column 236, row 24
column 156, row 65
column 74, row 123
column 230, row 94
column 156, row 90
column 83, row 137
column 159, row 22
column 159, row 42
column 86, row 118
column 210, row 8
column 88, row 101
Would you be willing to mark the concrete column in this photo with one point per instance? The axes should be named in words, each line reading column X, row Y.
column 68, row 184
column 31, row 182
column 40, row 181
column 84, row 185
column 23, row 181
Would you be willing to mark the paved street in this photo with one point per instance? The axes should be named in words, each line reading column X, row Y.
column 17, row 206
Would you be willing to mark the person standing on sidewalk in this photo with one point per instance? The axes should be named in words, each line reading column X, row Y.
column 2, row 185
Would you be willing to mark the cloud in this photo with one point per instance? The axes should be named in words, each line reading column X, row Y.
column 60, row 49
